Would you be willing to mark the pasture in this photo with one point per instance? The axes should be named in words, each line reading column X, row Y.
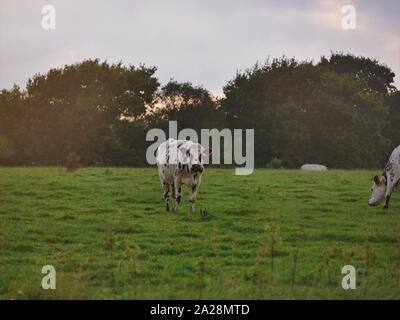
column 276, row 234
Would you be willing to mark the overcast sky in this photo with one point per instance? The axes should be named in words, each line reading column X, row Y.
column 204, row 42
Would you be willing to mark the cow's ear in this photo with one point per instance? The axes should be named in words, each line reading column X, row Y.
column 207, row 152
column 377, row 180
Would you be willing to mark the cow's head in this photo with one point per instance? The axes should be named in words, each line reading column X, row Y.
column 378, row 190
column 192, row 154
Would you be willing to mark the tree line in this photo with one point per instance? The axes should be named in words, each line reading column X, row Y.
column 343, row 111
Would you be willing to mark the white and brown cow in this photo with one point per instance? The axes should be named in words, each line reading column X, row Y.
column 180, row 162
column 390, row 180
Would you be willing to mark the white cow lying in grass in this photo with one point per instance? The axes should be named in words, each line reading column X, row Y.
column 389, row 181
column 180, row 162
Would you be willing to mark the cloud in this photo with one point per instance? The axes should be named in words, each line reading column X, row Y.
column 200, row 41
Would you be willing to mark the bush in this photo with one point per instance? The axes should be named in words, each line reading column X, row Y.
column 275, row 163
column 73, row 162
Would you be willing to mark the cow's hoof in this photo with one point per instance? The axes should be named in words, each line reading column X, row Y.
column 385, row 207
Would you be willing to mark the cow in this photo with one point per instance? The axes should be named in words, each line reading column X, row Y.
column 384, row 185
column 180, row 162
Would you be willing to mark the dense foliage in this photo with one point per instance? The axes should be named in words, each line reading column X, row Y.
column 343, row 112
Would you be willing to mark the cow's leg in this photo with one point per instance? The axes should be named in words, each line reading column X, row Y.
column 389, row 189
column 177, row 194
column 194, row 190
column 166, row 195
column 193, row 197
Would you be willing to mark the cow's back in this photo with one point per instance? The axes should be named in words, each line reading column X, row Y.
column 396, row 154
column 394, row 160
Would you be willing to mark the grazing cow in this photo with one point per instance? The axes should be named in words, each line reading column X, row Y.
column 389, row 181
column 180, row 162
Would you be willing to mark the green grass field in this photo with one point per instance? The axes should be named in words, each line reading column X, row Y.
column 271, row 235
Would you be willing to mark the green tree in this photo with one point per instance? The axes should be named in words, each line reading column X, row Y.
column 379, row 77
column 306, row 113
column 334, row 112
column 191, row 106
column 392, row 130
column 14, row 116
column 77, row 109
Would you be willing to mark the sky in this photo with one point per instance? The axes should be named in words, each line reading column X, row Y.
column 204, row 42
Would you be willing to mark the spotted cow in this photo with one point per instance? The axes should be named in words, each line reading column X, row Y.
column 180, row 162
column 390, row 180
